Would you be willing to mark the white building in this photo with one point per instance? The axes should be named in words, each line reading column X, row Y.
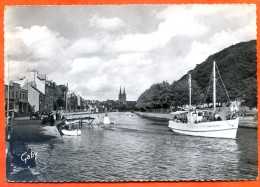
column 34, row 78
column 35, row 84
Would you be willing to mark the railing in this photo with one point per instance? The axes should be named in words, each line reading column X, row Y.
column 158, row 110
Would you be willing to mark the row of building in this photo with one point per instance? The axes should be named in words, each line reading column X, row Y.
column 34, row 93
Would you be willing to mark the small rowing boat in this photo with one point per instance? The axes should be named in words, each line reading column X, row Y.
column 75, row 132
column 70, row 129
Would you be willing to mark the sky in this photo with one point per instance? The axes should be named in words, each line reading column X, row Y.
column 97, row 49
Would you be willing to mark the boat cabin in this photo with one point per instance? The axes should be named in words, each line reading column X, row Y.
column 198, row 116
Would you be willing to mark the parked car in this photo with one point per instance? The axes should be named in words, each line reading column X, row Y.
column 44, row 114
column 35, row 115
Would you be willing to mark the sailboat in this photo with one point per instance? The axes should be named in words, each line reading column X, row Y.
column 205, row 123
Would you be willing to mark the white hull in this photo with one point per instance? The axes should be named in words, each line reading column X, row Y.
column 71, row 132
column 216, row 129
column 106, row 120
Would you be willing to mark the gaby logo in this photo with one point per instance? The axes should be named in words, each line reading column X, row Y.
column 27, row 156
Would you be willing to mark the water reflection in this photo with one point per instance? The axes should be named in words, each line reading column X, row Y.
column 248, row 159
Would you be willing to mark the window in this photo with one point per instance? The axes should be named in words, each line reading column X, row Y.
column 20, row 95
column 16, row 94
column 12, row 94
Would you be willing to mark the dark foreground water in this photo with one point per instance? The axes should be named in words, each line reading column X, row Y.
column 140, row 149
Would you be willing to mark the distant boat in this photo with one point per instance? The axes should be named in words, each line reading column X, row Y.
column 130, row 115
column 106, row 120
column 205, row 123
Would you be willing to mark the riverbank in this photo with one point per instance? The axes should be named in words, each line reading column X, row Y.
column 32, row 131
column 244, row 121
column 26, row 131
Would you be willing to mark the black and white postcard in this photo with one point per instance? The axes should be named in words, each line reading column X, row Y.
column 109, row 93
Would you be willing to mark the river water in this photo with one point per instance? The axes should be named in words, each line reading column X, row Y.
column 140, row 149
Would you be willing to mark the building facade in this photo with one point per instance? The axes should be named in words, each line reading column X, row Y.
column 40, row 91
column 33, row 77
column 18, row 98
column 36, row 99
column 50, row 98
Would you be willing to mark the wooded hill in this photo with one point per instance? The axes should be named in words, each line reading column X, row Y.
column 237, row 67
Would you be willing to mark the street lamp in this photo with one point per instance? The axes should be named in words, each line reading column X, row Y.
column 8, row 91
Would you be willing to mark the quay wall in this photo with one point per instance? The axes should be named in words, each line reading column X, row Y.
column 160, row 116
column 244, row 121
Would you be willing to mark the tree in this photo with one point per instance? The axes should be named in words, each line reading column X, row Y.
column 157, row 95
column 163, row 95
column 180, row 93
column 60, row 102
column 250, row 92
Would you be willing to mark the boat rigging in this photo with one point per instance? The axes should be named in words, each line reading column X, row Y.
column 203, row 122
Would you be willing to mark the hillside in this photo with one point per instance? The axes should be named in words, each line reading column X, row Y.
column 237, row 67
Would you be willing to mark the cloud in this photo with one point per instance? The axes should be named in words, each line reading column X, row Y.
column 86, row 64
column 34, row 43
column 103, row 23
column 115, row 46
column 84, row 46
column 171, row 27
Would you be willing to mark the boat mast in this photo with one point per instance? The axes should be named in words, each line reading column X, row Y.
column 66, row 101
column 189, row 91
column 214, row 86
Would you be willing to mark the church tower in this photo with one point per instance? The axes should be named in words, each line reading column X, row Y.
column 124, row 96
column 120, row 95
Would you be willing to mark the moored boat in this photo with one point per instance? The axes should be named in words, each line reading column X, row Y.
column 106, row 120
column 205, row 123
column 75, row 132
column 70, row 129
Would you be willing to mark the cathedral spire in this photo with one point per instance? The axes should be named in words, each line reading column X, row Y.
column 120, row 95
